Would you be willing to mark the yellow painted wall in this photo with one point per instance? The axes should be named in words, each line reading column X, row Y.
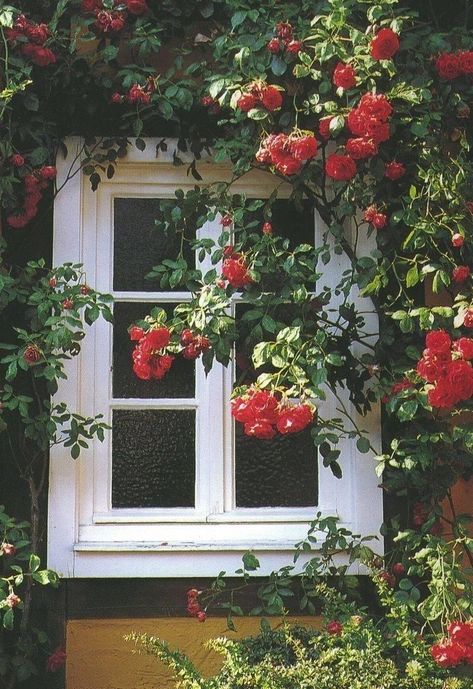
column 98, row 657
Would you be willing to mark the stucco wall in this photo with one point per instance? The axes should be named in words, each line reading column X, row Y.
column 98, row 657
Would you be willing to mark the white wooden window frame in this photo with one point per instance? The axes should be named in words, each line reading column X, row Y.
column 87, row 537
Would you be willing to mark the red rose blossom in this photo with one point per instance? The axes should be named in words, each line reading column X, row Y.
column 468, row 318
column 271, row 98
column 334, row 627
column 384, row 45
column 464, row 347
column 274, row 46
column 267, row 228
column 344, row 76
column 136, row 333
column 340, row 167
column 17, row 160
column 157, row 338
column 448, row 66
column 56, row 660
column 458, row 240
column 12, row 600
column 294, row 47
column 438, row 341
column 461, row 632
column 304, row 148
column 137, row 94
column 32, row 354
column 247, row 102
column 294, row 418
column 235, row 271
column 324, row 127
column 394, row 170
column 260, row 429
column 375, row 105
column 360, row 148
column 460, row 274
column 284, row 30
column 47, row 172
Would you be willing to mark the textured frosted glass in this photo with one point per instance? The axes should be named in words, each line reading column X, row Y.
column 178, row 382
column 153, row 458
column 139, row 245
column 275, row 473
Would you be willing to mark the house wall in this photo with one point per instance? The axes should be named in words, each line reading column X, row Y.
column 100, row 658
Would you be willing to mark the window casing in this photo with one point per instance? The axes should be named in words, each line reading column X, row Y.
column 89, row 536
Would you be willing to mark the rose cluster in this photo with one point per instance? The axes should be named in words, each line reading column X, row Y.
column 374, row 216
column 235, row 268
column 287, row 152
column 453, row 65
column 112, row 21
column 34, row 184
column 284, row 40
column 457, row 647
column 193, row 605
column 150, row 359
column 264, row 415
column 31, row 38
column 369, row 123
column 258, row 93
column 446, row 365
column 194, row 345
column 137, row 94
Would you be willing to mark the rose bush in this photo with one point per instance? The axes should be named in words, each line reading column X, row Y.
column 364, row 111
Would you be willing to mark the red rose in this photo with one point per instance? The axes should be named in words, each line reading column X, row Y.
column 242, row 410
column 201, row 616
column 157, row 338
column 38, row 34
column 464, row 346
column 438, row 341
column 334, row 627
column 12, row 600
column 267, row 228
column 294, row 47
column 236, row 272
column 247, row 102
column 442, row 396
column 344, row 76
column 388, row 578
column 136, row 6
column 432, row 366
column 265, row 406
column 295, row 418
column 160, row 365
column 460, row 274
column 448, row 66
column 67, row 304
column 274, row 46
column 47, row 172
column 400, row 386
column 136, row 333
column 324, row 127
column 284, row 30
column 367, row 126
column 360, row 148
column 304, row 148
column 458, row 240
column 394, row 170
column 271, row 98
column 32, row 354
column 17, row 160
column 226, row 221
column 285, row 163
column 385, row 44
column 109, row 21
column 459, row 375
column 260, row 429
column 56, row 660
column 466, row 61
column 375, row 105
column 340, row 167
column 8, row 549
column 116, row 97
column 447, row 654
column 461, row 632
column 398, row 569
column 137, row 94
column 40, row 56
column 18, row 221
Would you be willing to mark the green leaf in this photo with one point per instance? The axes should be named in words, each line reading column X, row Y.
column 278, row 65
column 250, row 562
column 363, row 445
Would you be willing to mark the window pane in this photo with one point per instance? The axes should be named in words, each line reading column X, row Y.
column 294, row 221
column 281, row 472
column 178, row 382
column 138, row 245
column 153, row 458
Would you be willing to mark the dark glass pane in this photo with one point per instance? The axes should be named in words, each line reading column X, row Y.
column 138, row 245
column 275, row 473
column 294, row 221
column 178, row 382
column 153, row 458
